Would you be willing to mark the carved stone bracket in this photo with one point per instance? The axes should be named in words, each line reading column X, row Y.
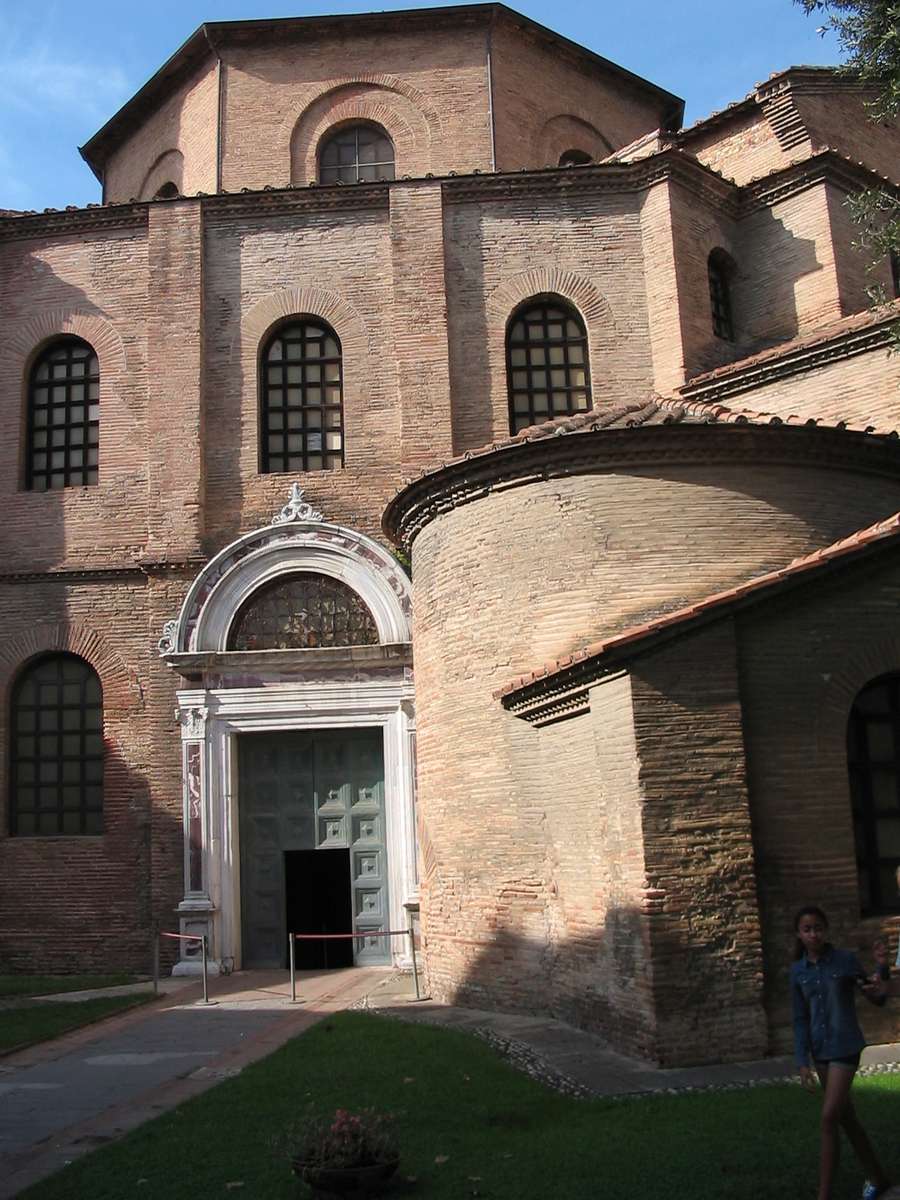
column 193, row 723
column 296, row 509
column 167, row 643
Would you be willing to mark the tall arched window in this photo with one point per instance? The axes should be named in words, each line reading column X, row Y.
column 720, row 269
column 547, row 369
column 302, row 412
column 63, row 416
column 303, row 611
column 873, row 760
column 356, row 153
column 56, row 740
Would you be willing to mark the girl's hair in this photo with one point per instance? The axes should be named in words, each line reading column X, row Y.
column 808, row 910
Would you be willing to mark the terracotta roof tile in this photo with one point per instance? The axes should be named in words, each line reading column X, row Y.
column 862, row 539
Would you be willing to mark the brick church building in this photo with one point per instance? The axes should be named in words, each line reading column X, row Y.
column 433, row 475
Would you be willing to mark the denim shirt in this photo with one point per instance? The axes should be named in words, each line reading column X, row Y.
column 824, row 1002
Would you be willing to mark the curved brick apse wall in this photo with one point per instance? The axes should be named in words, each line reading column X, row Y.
column 525, row 567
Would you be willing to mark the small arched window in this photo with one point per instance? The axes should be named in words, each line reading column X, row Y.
column 302, row 417
column 720, row 270
column 63, row 416
column 356, row 153
column 302, row 612
column 547, row 369
column 168, row 191
column 575, row 158
column 56, row 740
column 873, row 761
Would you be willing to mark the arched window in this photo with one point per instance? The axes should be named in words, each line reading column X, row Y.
column 895, row 272
column 547, row 368
column 720, row 269
column 873, row 760
column 56, row 739
column 356, row 153
column 168, row 191
column 302, row 418
column 63, row 416
column 302, row 612
column 575, row 158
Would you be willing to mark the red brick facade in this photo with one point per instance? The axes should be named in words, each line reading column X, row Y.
column 628, row 866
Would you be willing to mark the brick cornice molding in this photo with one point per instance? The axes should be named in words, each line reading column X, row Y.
column 783, row 362
column 825, row 167
column 591, row 451
column 93, row 219
column 26, row 339
column 121, row 690
column 538, row 281
column 404, row 111
column 305, row 300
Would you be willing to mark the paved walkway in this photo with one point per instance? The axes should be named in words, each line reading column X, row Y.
column 63, row 1098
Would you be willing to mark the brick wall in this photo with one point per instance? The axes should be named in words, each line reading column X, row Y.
column 704, row 929
column 547, row 102
column 185, row 123
column 835, row 639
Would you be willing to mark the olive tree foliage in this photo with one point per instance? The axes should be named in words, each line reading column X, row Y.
column 868, row 32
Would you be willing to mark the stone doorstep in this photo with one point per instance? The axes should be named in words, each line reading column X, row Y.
column 324, row 996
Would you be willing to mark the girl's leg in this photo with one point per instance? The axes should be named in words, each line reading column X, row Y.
column 838, row 1111
column 832, row 1102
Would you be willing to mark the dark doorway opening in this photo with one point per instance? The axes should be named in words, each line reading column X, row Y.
column 318, row 900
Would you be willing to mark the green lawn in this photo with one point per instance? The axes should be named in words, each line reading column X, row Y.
column 45, row 985
column 30, row 1023
column 471, row 1126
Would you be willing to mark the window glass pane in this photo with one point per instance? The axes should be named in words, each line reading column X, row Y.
column 58, row 692
column 880, row 741
column 305, row 398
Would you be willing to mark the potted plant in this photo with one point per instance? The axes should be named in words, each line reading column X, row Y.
column 345, row 1154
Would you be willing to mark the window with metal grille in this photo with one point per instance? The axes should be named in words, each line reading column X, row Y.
column 302, row 412
column 547, row 368
column 873, row 760
column 719, row 270
column 63, row 417
column 356, row 153
column 895, row 272
column 301, row 612
column 56, row 739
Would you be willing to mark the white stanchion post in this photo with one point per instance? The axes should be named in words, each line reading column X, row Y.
column 293, row 968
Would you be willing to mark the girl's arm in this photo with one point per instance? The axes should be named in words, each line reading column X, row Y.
column 801, row 1032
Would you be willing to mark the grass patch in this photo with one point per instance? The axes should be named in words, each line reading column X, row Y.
column 471, row 1126
column 25, row 1025
column 46, row 985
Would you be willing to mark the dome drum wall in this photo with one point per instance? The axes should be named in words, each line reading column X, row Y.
column 538, row 563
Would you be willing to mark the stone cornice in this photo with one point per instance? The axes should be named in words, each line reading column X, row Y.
column 96, row 218
column 825, row 167
column 74, row 575
column 593, row 451
column 793, row 361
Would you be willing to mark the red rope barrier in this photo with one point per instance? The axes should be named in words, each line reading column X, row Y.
column 182, row 937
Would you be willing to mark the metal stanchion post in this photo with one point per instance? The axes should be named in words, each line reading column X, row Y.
column 293, row 968
column 412, row 950
column 155, row 960
column 205, row 985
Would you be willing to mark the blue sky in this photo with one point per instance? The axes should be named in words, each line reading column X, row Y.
column 66, row 67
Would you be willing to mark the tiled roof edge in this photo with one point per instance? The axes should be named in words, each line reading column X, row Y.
column 524, row 692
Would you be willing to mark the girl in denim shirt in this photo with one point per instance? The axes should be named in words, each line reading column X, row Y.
column 824, row 982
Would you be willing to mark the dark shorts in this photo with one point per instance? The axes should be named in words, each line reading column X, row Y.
column 851, row 1061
